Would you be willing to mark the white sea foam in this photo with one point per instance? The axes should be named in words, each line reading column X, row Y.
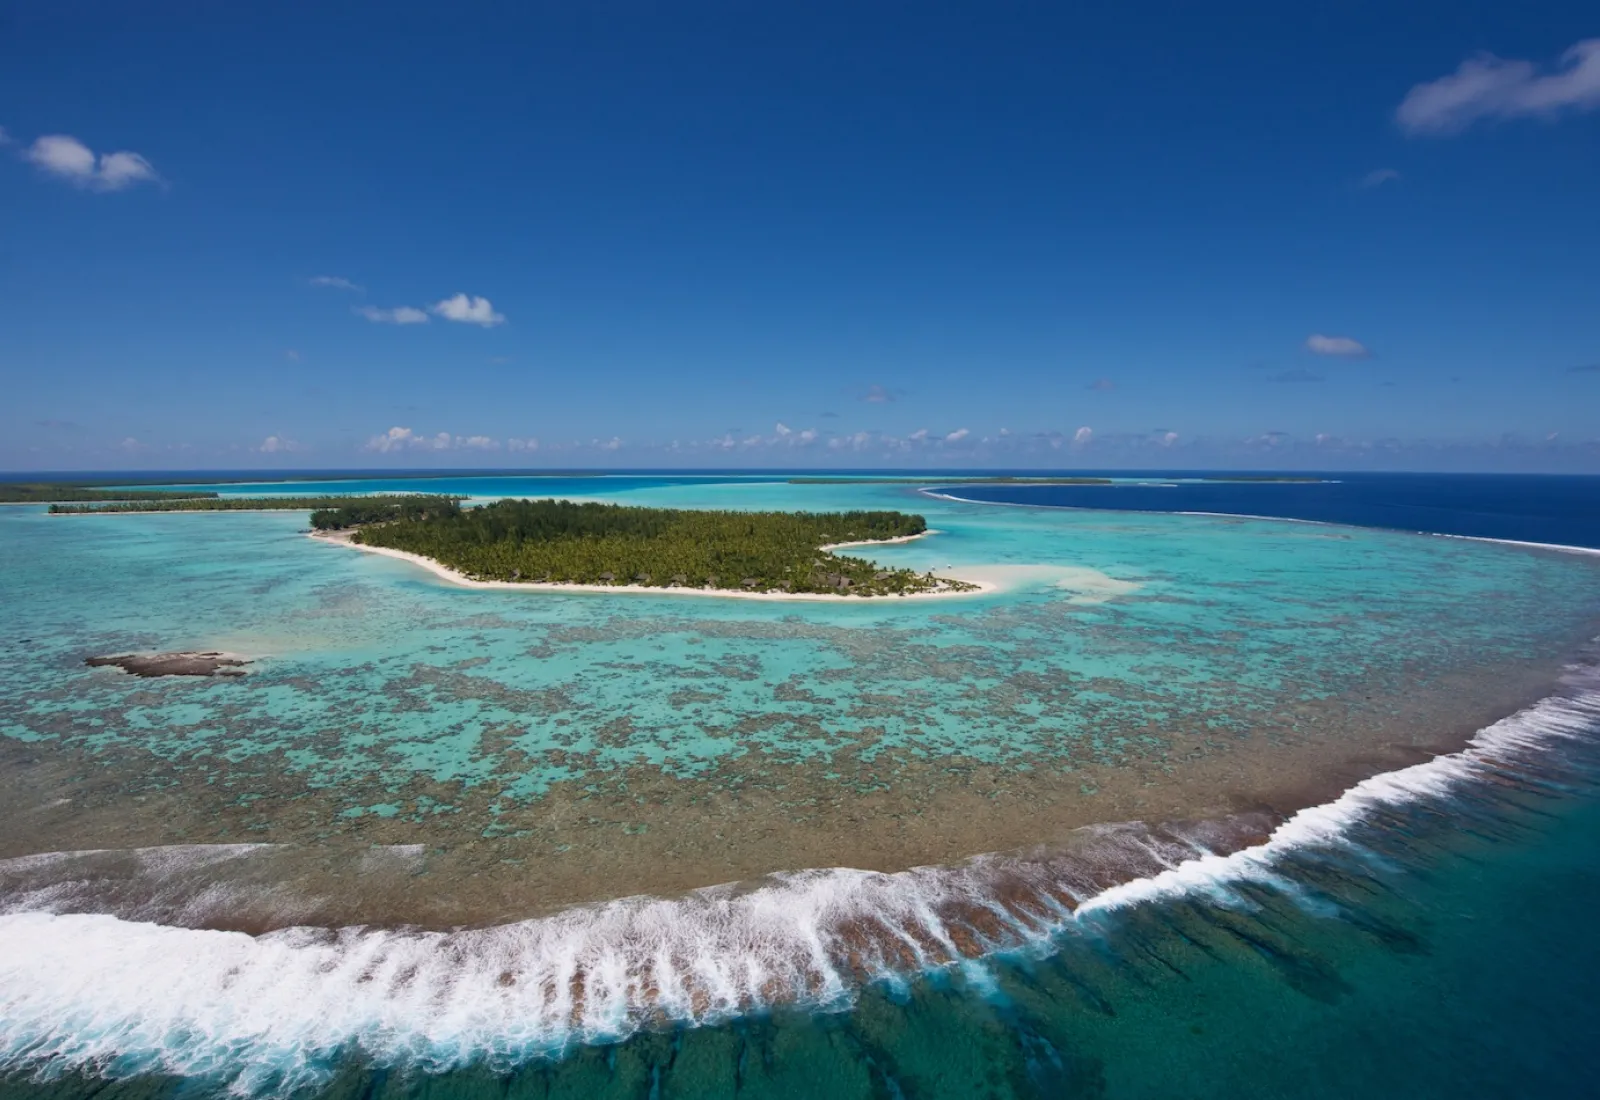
column 1528, row 732
column 272, row 1012
column 80, row 990
column 1563, row 547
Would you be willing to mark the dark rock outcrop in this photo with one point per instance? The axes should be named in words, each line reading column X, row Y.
column 173, row 664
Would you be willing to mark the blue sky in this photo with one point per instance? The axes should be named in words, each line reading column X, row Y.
column 864, row 234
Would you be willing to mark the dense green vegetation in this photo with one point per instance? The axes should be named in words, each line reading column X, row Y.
column 563, row 542
column 338, row 511
column 355, row 511
column 44, row 492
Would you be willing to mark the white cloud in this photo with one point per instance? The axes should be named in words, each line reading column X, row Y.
column 522, row 444
column 1343, row 346
column 1489, row 87
column 478, row 443
column 1167, row 439
column 66, row 157
column 918, row 436
column 400, row 439
column 336, row 282
column 1267, row 439
column 5, row 138
column 789, row 437
column 63, row 156
column 1082, row 436
column 851, row 442
column 957, row 436
column 461, row 308
column 124, row 169
column 612, row 444
column 468, row 310
column 1378, row 177
column 277, row 444
column 399, row 315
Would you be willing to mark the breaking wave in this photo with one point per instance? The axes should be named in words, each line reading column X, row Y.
column 273, row 1013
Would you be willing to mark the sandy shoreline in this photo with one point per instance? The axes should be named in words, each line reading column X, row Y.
column 444, row 572
column 879, row 542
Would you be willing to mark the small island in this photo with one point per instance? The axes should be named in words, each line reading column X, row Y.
column 362, row 509
column 45, row 492
column 592, row 545
column 1297, row 479
column 997, row 480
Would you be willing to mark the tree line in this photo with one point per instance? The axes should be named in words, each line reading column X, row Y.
column 356, row 511
column 565, row 542
column 44, row 492
column 335, row 511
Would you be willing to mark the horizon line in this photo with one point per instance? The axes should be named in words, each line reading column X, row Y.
column 219, row 473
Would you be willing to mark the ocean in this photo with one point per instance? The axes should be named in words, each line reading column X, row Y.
column 1559, row 509
column 1261, row 808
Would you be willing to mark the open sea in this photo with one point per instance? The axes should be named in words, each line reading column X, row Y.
column 1195, row 801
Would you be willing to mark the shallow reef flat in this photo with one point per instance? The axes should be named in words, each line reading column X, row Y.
column 543, row 749
column 463, row 831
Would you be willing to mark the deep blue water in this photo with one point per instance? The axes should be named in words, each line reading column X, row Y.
column 1564, row 510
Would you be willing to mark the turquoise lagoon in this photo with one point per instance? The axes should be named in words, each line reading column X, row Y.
column 437, row 828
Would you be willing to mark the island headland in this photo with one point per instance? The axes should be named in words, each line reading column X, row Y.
column 608, row 547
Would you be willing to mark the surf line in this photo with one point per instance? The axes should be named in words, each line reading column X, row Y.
column 279, row 1010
